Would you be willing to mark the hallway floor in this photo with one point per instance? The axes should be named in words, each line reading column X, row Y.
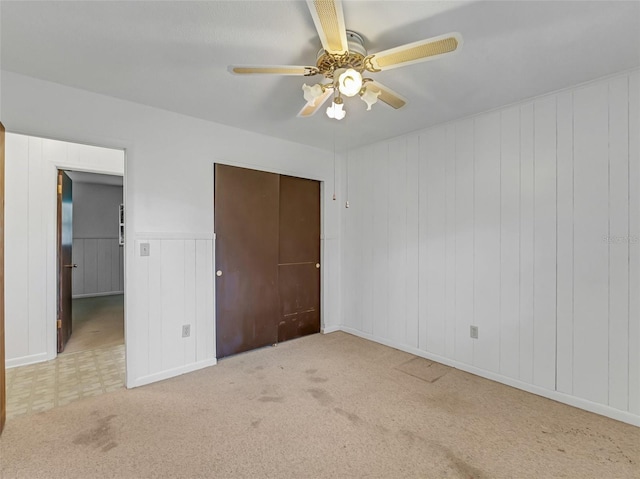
column 92, row 363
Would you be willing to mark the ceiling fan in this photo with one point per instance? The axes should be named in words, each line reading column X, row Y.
column 344, row 59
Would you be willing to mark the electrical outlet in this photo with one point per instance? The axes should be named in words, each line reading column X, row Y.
column 145, row 249
column 474, row 332
column 186, row 330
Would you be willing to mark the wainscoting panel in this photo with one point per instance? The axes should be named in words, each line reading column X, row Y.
column 100, row 268
column 176, row 288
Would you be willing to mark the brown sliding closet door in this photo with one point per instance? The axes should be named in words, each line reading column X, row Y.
column 246, row 225
column 299, row 273
column 267, row 258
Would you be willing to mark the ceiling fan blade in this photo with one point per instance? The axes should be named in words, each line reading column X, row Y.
column 311, row 108
column 415, row 52
column 329, row 21
column 387, row 95
column 273, row 70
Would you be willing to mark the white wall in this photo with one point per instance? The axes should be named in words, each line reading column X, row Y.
column 524, row 222
column 30, row 238
column 95, row 210
column 169, row 199
column 96, row 251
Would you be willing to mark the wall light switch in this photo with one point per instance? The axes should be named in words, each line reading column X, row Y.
column 145, row 249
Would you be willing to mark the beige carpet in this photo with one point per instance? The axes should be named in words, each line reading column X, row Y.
column 321, row 406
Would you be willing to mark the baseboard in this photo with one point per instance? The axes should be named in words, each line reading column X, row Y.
column 170, row 373
column 331, row 329
column 603, row 410
column 26, row 360
column 95, row 295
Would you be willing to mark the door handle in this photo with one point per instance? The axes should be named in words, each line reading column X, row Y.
column 317, row 265
column 70, row 265
column 218, row 273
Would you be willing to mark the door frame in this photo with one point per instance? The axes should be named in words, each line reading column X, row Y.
column 323, row 240
column 3, row 382
column 51, row 167
column 52, row 328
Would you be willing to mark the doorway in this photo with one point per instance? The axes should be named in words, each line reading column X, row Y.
column 267, row 258
column 85, row 368
column 90, row 261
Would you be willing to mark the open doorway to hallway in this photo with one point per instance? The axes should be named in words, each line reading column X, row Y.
column 92, row 360
column 96, row 285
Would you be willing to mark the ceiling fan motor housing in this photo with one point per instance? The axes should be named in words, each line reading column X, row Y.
column 328, row 63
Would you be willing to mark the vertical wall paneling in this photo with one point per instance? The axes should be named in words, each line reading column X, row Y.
column 104, row 265
column 434, row 243
column 77, row 286
column 544, row 323
column 486, row 253
column 397, row 234
column 99, row 267
column 139, row 353
column 527, row 235
column 591, row 262
column 154, row 306
column 190, row 301
column 348, row 251
column 354, row 169
column 380, row 240
column 424, row 145
column 116, row 266
column 450, row 206
column 564, row 247
column 464, row 240
column 634, row 243
column 205, row 337
column 16, row 248
column 617, row 237
column 509, row 242
column 366, row 247
column 412, row 291
column 177, row 289
column 172, row 300
column 90, row 266
column 36, row 247
column 527, row 222
column 121, row 252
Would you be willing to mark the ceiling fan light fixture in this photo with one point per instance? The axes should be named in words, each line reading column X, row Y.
column 335, row 111
column 370, row 97
column 312, row 93
column 350, row 82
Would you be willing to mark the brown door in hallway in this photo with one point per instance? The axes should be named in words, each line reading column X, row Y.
column 267, row 258
column 3, row 392
column 299, row 258
column 65, row 265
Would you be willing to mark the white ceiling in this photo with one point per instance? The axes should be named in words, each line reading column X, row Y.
column 174, row 55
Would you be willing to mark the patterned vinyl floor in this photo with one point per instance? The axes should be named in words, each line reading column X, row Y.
column 67, row 378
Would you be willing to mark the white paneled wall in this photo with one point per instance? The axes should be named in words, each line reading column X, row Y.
column 176, row 289
column 30, row 237
column 100, row 268
column 523, row 222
